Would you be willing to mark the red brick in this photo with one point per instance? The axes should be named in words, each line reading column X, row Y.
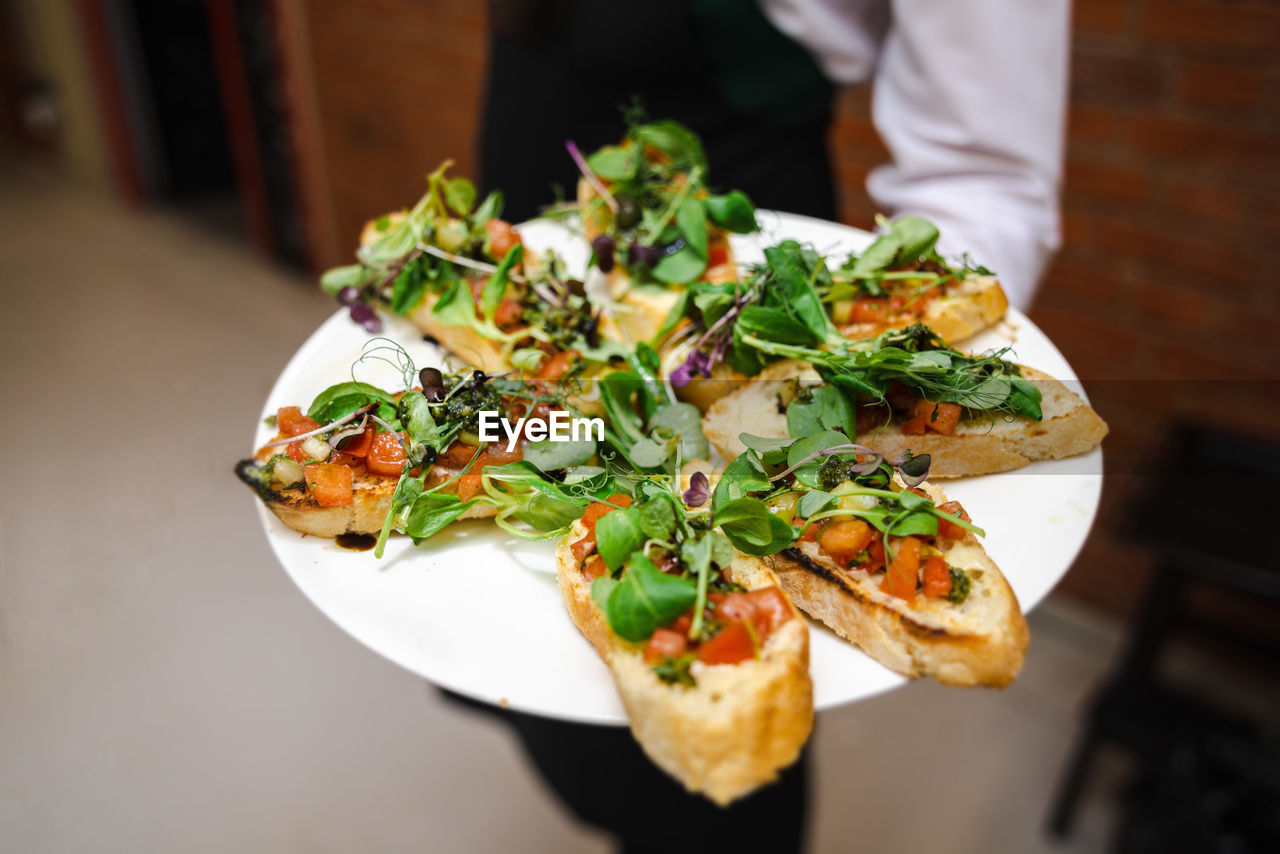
column 1205, row 24
column 1096, row 345
column 1079, row 281
column 1190, row 308
column 1204, row 201
column 1105, row 182
column 1093, row 125
column 1109, row 78
column 1103, row 17
column 1218, row 84
column 1201, row 142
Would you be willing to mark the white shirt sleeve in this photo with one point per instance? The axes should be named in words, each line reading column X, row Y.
column 969, row 97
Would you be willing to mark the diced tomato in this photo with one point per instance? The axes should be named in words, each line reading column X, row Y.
column 811, row 532
column 843, row 539
column 502, row 237
column 664, row 643
column 358, row 446
column 937, row 577
column 496, row 454
column 291, row 422
column 900, row 580
column 730, row 645
column 457, row 455
column 950, row 530
column 583, row 547
column 595, row 567
column 386, row 455
column 682, row 623
column 556, row 366
column 509, row 313
column 717, row 254
column 329, row 484
column 596, row 509
column 344, row 459
column 870, row 310
column 899, row 396
column 736, row 608
column 896, row 304
column 295, row 452
column 930, row 415
column 944, row 418
column 470, row 483
column 772, row 610
column 875, row 557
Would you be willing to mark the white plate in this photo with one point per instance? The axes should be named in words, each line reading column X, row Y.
column 478, row 611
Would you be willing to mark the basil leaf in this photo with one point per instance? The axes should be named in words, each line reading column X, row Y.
column 732, row 211
column 740, row 478
column 773, row 324
column 614, row 163
column 920, row 522
column 826, row 409
column 646, row 599
column 602, row 588
column 455, row 307
column 334, row 280
column 814, row 501
column 674, row 140
column 692, row 220
column 618, row 534
column 409, row 287
column 460, row 195
column 685, row 421
column 345, row 398
column 657, row 518
column 546, row 511
column 648, row 454
column 1024, row 398
column 682, row 266
column 432, row 511
column 497, row 284
column 490, row 208
column 549, row 455
column 751, row 528
column 678, row 310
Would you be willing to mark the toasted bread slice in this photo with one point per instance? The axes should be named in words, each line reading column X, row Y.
column 980, row 641
column 978, row 446
column 365, row 514
column 739, row 726
column 974, row 304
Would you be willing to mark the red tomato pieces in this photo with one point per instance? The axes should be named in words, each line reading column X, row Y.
column 900, row 579
column 950, row 530
column 385, row 456
column 730, row 645
column 291, row 422
column 937, row 577
column 844, row 539
column 664, row 643
column 329, row 484
column 502, row 237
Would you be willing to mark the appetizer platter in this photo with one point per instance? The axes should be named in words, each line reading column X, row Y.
column 799, row 492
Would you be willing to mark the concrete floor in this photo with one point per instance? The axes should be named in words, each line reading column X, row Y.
column 164, row 687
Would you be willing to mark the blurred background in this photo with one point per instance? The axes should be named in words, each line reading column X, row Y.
column 174, row 174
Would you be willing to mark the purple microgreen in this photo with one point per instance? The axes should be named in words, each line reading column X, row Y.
column 698, row 492
column 834, row 449
column 347, row 432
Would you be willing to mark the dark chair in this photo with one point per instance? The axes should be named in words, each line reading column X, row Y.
column 1206, row 502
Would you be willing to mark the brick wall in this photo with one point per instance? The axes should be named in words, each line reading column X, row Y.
column 1171, row 206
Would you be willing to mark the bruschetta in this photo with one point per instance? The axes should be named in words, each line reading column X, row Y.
column 710, row 657
column 896, row 570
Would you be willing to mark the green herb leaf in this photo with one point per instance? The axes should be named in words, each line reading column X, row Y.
column 344, row 399
column 751, row 528
column 682, row 266
column 618, row 534
column 432, row 512
column 497, row 284
column 614, row 163
column 334, row 280
column 459, row 195
column 550, row 455
column 732, row 211
column 692, row 221
column 646, row 599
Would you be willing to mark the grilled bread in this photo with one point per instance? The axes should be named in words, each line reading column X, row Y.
column 738, row 726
